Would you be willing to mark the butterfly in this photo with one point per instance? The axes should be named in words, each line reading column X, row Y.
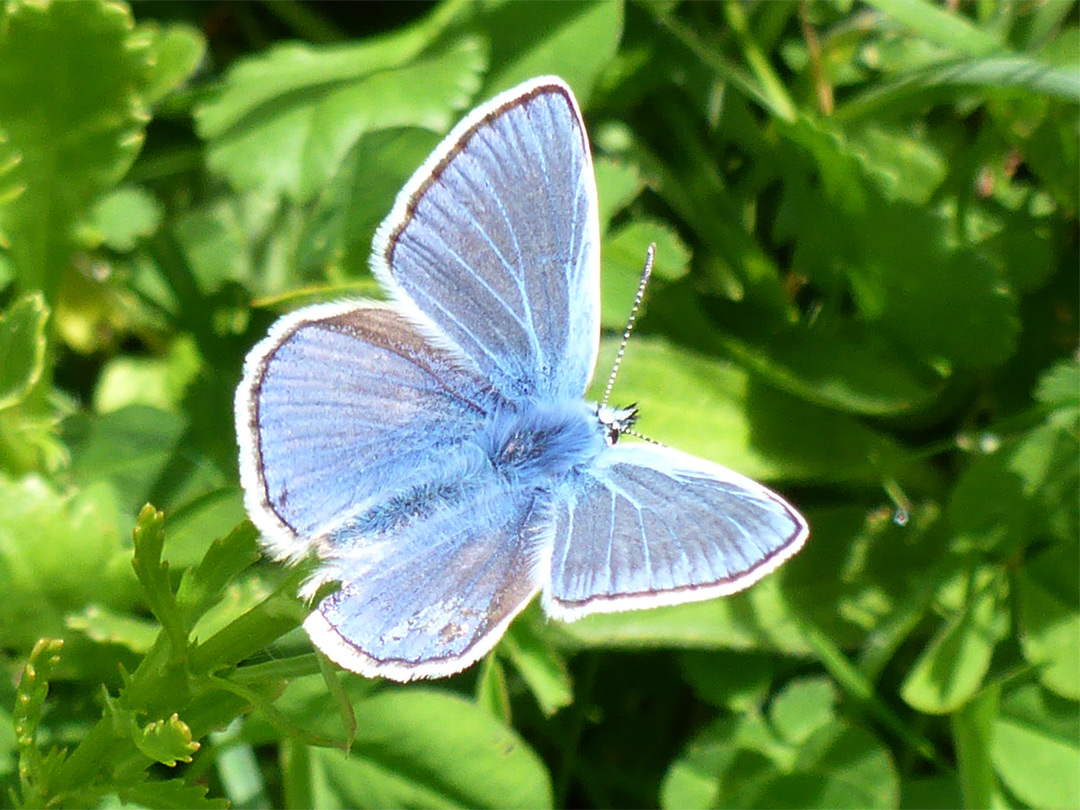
column 436, row 452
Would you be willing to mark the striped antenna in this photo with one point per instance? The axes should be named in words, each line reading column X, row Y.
column 645, row 273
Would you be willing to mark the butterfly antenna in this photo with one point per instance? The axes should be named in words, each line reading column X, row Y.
column 645, row 273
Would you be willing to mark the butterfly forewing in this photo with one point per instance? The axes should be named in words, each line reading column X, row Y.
column 496, row 241
column 339, row 407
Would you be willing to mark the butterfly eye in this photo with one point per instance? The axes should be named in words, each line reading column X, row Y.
column 616, row 421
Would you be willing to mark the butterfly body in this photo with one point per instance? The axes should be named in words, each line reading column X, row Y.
column 436, row 453
column 535, row 444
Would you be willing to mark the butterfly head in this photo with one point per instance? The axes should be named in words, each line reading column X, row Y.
column 616, row 421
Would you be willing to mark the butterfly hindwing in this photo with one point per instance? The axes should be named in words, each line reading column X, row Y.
column 438, row 592
column 645, row 525
column 496, row 241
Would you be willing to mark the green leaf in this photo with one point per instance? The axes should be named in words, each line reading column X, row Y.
column 156, row 382
column 44, row 580
column 121, row 217
column 848, row 367
column 803, row 707
column 624, row 259
column 219, row 240
column 902, row 165
column 73, row 123
column 8, row 739
column 1024, row 249
column 108, row 627
column 225, row 560
column 149, row 537
column 340, row 697
column 951, row 668
column 929, row 793
column 1035, row 749
column 738, row 681
column 740, row 763
column 177, row 52
column 949, row 29
column 474, row 761
column 239, row 597
column 30, row 434
column 130, row 448
column 195, row 524
column 172, row 794
column 242, row 780
column 728, row 750
column 284, row 121
column 338, row 235
column 883, row 581
column 22, row 348
column 1054, row 155
column 167, row 741
column 757, row 619
column 304, row 701
column 34, row 770
column 574, row 40
column 1059, row 388
column 1019, row 73
column 492, row 693
column 918, row 310
column 542, row 669
column 259, row 81
column 617, row 184
column 839, row 766
column 719, row 412
column 1048, row 596
column 903, row 266
column 259, row 625
column 973, row 733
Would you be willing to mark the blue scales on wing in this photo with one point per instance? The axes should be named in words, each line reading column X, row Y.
column 419, row 487
column 645, row 525
column 496, row 241
column 435, row 586
column 349, row 403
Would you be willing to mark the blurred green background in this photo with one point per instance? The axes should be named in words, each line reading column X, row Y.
column 866, row 295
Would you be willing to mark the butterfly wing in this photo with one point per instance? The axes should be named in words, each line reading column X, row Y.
column 646, row 525
column 339, row 406
column 495, row 239
column 435, row 594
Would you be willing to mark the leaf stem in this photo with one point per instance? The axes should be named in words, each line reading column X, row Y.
column 862, row 691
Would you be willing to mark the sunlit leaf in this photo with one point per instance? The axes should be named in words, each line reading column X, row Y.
column 574, row 40
column 284, row 121
column 73, row 122
column 22, row 348
column 474, row 761
column 953, row 665
column 1035, row 748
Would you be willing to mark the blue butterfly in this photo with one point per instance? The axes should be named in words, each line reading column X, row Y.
column 437, row 454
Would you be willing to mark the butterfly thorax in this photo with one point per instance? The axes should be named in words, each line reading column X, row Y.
column 537, row 443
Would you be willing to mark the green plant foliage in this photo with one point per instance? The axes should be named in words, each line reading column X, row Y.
column 865, row 293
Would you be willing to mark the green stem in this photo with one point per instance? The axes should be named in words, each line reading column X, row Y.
column 862, row 690
column 779, row 100
column 973, row 732
column 726, row 72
